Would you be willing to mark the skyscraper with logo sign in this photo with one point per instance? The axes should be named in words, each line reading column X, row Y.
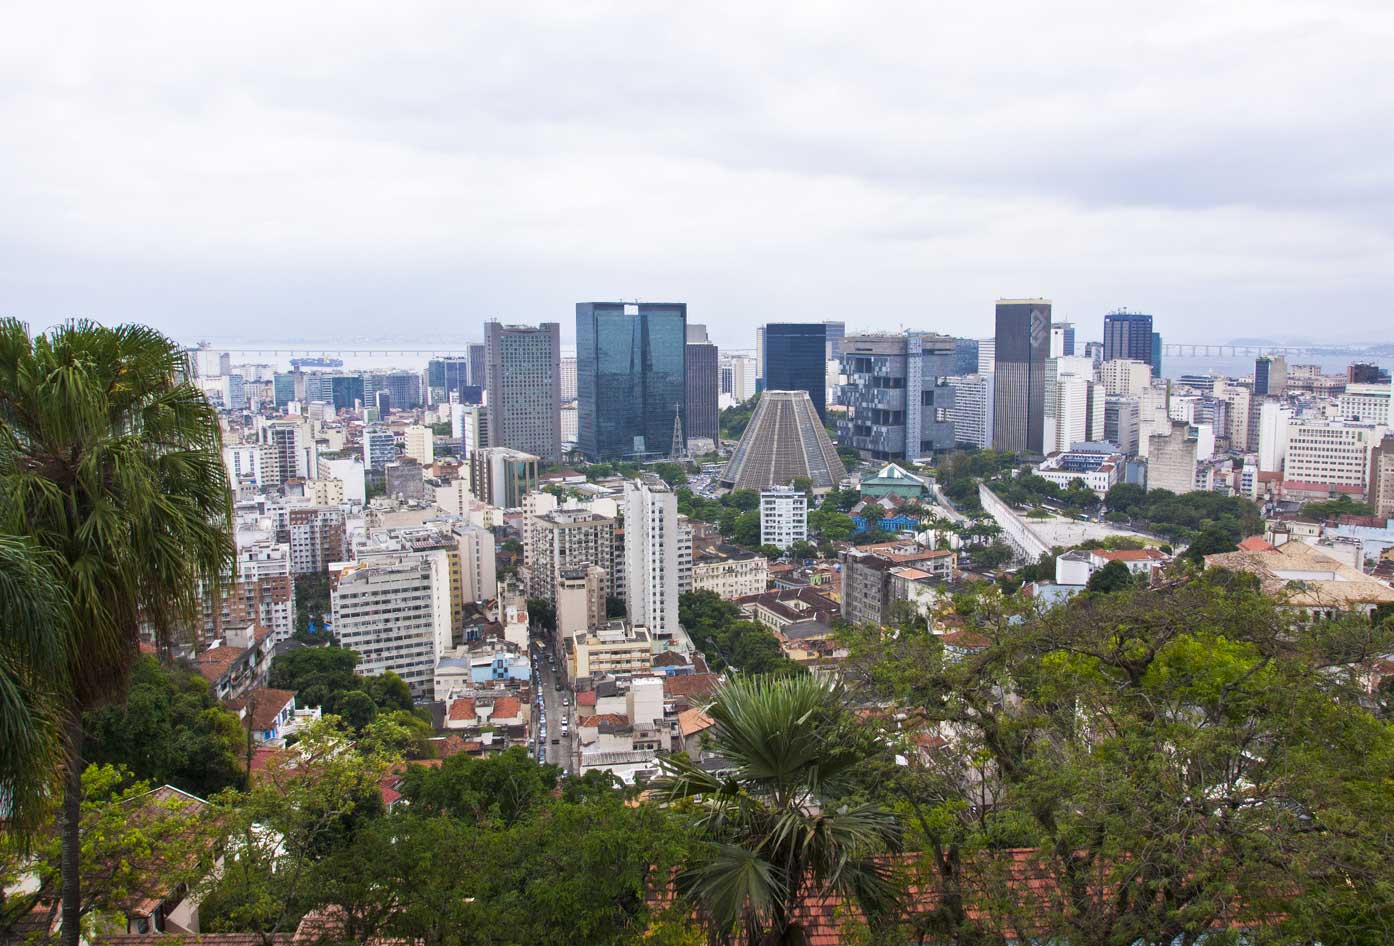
column 1021, row 347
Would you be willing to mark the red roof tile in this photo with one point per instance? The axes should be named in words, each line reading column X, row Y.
column 463, row 709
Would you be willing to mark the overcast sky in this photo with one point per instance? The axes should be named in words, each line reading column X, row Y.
column 400, row 170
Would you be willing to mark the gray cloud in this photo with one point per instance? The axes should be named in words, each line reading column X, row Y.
column 363, row 170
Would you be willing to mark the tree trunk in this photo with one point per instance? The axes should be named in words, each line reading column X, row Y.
column 72, row 840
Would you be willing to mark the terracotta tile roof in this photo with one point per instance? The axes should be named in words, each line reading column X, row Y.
column 618, row 719
column 694, row 686
column 462, row 709
column 1257, row 543
column 189, row 939
column 585, row 698
column 506, row 707
column 266, row 704
column 670, row 658
column 693, row 721
column 216, row 661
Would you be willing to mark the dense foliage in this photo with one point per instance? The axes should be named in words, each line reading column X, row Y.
column 1183, row 517
column 324, row 677
column 169, row 731
column 727, row 639
column 1333, row 508
column 733, row 420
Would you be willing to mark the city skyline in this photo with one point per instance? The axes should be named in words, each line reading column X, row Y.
column 419, row 167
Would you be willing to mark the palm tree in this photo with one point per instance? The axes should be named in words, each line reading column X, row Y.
column 779, row 833
column 110, row 459
column 32, row 604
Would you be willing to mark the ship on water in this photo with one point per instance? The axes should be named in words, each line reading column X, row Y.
column 316, row 362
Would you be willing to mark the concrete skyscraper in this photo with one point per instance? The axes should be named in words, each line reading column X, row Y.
column 796, row 360
column 899, row 398
column 703, row 384
column 522, row 370
column 631, row 378
column 651, row 556
column 1021, row 347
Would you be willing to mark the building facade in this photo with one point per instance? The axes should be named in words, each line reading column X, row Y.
column 1020, row 352
column 1128, row 335
column 971, row 412
column 651, row 556
column 783, row 516
column 796, row 360
column 703, row 387
column 631, row 378
column 523, row 387
column 897, row 394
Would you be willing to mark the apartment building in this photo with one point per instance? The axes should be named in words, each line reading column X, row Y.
column 783, row 516
column 1327, row 453
column 730, row 571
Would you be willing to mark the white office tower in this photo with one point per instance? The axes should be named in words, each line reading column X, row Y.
column 1366, row 403
column 1124, row 377
column 783, row 516
column 1240, row 402
column 742, row 378
column 420, row 444
column 469, row 424
column 394, row 611
column 568, row 377
column 1330, row 454
column 651, row 556
column 349, row 471
column 987, row 356
column 1074, row 404
column 1152, row 415
column 288, row 451
column 972, row 410
column 1272, row 436
column 475, row 547
column 244, row 464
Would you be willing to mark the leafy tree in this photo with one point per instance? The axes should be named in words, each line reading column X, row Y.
column 112, row 461
column 1183, row 517
column 831, row 524
column 1162, row 762
column 135, row 845
column 1334, row 508
column 803, row 550
column 499, row 789
column 674, row 474
column 311, row 601
column 323, row 676
column 780, row 831
column 994, row 556
column 543, row 613
column 170, row 730
column 1114, row 576
column 614, row 606
column 771, row 552
column 733, row 420
column 727, row 640
column 357, row 709
column 746, row 530
column 1212, row 541
column 302, row 807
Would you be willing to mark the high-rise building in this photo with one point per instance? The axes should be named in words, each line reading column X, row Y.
column 1367, row 403
column 478, row 356
column 1156, row 354
column 348, row 470
column 523, row 381
column 394, row 612
column 447, row 374
column 379, row 448
column 1330, row 453
column 972, row 410
column 316, row 536
column 796, row 360
column 568, row 378
column 382, row 400
column 262, row 593
column 1128, row 335
column 346, row 391
column 1074, row 404
column 1094, row 351
column 1380, row 491
column 987, row 356
column 965, row 356
column 1121, row 423
column 287, row 452
column 283, row 389
column 580, row 600
column 502, row 477
column 1062, row 340
column 403, row 480
column 419, row 443
column 562, row 539
column 405, row 389
column 1171, row 459
column 631, row 378
column 1124, row 377
column 475, row 551
column 1270, row 374
column 784, row 441
column 783, row 516
column 1271, row 436
column 702, row 386
column 469, row 424
column 1361, row 372
column 1020, row 353
column 760, row 358
column 651, row 556
column 742, row 377
column 836, row 331
column 899, row 400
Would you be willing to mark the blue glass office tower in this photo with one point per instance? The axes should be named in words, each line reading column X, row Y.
column 796, row 360
column 1129, row 335
column 631, row 378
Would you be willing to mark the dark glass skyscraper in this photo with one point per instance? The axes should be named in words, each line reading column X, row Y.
column 703, row 382
column 631, row 377
column 346, row 389
column 1129, row 335
column 796, row 360
column 965, row 356
column 1022, row 345
column 444, row 375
